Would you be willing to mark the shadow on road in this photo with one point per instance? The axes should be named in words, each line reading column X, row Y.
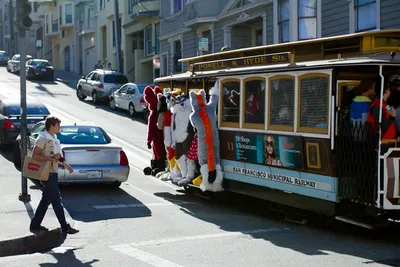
column 68, row 258
column 96, row 202
column 321, row 237
column 139, row 117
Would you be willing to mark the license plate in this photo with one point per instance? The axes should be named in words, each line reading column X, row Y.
column 43, row 70
column 94, row 174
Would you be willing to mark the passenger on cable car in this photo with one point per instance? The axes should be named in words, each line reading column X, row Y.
column 360, row 104
column 253, row 106
column 270, row 153
column 388, row 126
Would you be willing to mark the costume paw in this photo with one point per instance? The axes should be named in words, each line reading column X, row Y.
column 166, row 176
column 217, row 185
column 158, row 175
column 147, row 171
column 184, row 181
column 205, row 184
column 197, row 181
column 176, row 180
column 155, row 171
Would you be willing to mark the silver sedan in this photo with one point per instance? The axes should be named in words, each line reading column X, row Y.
column 89, row 151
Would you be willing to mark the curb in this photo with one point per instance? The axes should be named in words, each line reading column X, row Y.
column 63, row 81
column 32, row 243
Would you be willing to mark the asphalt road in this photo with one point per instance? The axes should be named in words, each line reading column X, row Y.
column 148, row 222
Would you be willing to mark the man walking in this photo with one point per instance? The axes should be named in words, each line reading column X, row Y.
column 47, row 147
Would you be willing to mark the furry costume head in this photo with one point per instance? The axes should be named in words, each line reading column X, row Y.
column 180, row 103
column 162, row 103
column 150, row 97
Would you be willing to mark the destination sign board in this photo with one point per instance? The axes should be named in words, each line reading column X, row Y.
column 243, row 62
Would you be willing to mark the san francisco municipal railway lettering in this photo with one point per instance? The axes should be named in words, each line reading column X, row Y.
column 243, row 62
column 275, row 177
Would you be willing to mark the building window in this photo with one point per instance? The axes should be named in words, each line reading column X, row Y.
column 60, row 15
column 281, row 102
column 259, row 37
column 307, row 19
column 68, row 13
column 230, row 102
column 176, row 6
column 148, row 37
column 365, row 14
column 283, row 20
column 156, row 37
column 177, row 56
column 35, row 6
column 207, row 34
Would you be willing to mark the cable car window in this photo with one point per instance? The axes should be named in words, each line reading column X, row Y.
column 231, row 101
column 254, row 91
column 313, row 103
column 281, row 102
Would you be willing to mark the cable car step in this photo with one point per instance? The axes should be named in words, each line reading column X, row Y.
column 361, row 223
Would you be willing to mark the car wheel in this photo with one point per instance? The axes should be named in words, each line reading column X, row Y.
column 80, row 94
column 115, row 184
column 112, row 103
column 94, row 97
column 132, row 111
column 17, row 157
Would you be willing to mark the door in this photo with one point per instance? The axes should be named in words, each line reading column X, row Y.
column 67, row 58
column 119, row 98
column 85, row 84
column 130, row 96
column 93, row 83
column 33, row 135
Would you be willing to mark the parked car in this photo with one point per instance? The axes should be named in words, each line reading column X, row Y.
column 128, row 97
column 88, row 149
column 39, row 68
column 13, row 63
column 10, row 118
column 4, row 57
column 100, row 84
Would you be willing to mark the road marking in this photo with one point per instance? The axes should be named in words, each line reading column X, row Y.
column 208, row 236
column 125, row 206
column 144, row 256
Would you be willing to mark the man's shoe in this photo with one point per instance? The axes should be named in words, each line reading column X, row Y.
column 70, row 231
column 40, row 228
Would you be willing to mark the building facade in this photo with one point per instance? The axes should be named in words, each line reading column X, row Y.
column 37, row 45
column 191, row 27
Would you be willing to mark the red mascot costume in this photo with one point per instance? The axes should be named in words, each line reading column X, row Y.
column 155, row 137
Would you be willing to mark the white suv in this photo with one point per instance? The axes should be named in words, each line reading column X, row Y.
column 100, row 84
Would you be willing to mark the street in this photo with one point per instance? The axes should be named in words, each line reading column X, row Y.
column 148, row 222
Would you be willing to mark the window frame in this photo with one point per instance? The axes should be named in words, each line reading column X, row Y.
column 282, row 21
column 307, row 17
column 148, row 53
column 377, row 16
column 245, row 124
column 313, row 130
column 283, row 128
column 221, row 104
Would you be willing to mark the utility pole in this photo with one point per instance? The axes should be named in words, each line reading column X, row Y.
column 23, row 9
column 117, row 34
column 11, row 51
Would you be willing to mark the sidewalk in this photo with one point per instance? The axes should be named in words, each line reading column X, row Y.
column 15, row 237
column 69, row 78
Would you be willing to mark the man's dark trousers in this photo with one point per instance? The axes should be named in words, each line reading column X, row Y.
column 51, row 194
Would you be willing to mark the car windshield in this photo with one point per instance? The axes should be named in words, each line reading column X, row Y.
column 112, row 78
column 83, row 135
column 17, row 58
column 3, row 54
column 40, row 63
column 15, row 110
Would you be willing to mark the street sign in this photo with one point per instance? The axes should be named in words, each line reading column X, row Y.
column 203, row 44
